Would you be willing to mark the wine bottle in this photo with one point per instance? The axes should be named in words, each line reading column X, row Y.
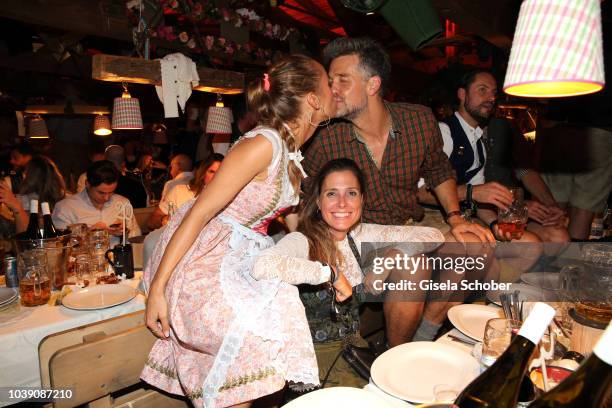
column 33, row 231
column 588, row 385
column 499, row 385
column 49, row 230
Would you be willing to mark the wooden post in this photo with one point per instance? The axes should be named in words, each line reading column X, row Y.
column 139, row 71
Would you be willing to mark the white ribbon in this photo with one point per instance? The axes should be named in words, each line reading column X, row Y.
column 296, row 157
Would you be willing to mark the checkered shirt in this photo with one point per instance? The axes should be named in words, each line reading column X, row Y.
column 414, row 150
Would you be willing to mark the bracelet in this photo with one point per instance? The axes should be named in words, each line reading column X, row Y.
column 453, row 213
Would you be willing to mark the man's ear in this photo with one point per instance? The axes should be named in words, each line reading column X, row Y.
column 373, row 85
column 314, row 101
column 461, row 94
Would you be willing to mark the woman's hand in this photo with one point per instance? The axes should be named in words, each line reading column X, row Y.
column 343, row 287
column 156, row 316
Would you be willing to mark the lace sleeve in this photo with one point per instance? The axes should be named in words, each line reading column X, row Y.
column 288, row 261
column 411, row 240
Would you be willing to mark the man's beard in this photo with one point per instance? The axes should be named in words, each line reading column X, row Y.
column 475, row 112
column 353, row 111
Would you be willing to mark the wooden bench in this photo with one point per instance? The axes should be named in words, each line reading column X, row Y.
column 101, row 359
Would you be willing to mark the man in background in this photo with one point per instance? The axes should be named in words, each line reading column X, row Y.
column 98, row 205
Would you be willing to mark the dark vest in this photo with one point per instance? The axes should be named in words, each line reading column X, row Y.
column 462, row 156
column 16, row 181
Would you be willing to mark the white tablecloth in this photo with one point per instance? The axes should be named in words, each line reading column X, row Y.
column 19, row 340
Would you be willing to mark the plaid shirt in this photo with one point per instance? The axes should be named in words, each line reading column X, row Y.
column 414, row 150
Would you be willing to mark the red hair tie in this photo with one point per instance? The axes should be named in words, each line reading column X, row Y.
column 266, row 82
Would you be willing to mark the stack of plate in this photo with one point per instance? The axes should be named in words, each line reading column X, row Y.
column 7, row 296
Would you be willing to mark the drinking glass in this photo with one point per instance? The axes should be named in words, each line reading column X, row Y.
column 513, row 221
column 34, row 282
column 445, row 393
column 98, row 266
column 79, row 238
column 83, row 269
column 497, row 337
column 98, row 242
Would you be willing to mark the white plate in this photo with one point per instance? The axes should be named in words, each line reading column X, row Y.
column 99, row 297
column 544, row 280
column 410, row 371
column 527, row 293
column 471, row 319
column 7, row 295
column 337, row 397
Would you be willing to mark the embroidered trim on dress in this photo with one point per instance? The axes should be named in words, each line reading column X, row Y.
column 249, row 378
column 167, row 371
column 275, row 199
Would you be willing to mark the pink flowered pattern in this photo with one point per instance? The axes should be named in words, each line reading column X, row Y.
column 200, row 311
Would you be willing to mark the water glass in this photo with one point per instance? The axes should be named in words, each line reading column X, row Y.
column 98, row 242
column 98, row 265
column 497, row 337
column 83, row 269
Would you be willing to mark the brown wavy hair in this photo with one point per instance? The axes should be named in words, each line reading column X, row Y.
column 197, row 182
column 290, row 79
column 321, row 243
column 43, row 178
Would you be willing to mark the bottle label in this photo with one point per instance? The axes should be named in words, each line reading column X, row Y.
column 537, row 322
column 603, row 348
column 45, row 208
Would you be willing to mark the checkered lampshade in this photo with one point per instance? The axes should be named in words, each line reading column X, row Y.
column 557, row 49
column 219, row 120
column 38, row 128
column 102, row 126
column 126, row 114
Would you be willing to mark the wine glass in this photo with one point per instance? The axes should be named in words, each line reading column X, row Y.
column 497, row 337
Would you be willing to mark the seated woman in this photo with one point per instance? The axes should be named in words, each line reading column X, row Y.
column 182, row 193
column 178, row 196
column 42, row 182
column 330, row 233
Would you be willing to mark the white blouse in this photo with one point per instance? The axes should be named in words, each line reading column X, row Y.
column 288, row 259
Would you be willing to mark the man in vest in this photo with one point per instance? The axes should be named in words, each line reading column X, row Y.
column 462, row 134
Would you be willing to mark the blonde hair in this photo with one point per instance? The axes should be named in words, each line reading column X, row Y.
column 278, row 101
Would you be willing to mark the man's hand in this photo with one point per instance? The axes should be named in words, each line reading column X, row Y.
column 545, row 215
column 116, row 228
column 493, row 193
column 459, row 226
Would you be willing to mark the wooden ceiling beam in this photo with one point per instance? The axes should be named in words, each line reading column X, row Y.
column 139, row 71
column 103, row 18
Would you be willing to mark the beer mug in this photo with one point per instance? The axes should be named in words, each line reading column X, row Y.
column 98, row 241
column 34, row 282
column 122, row 260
